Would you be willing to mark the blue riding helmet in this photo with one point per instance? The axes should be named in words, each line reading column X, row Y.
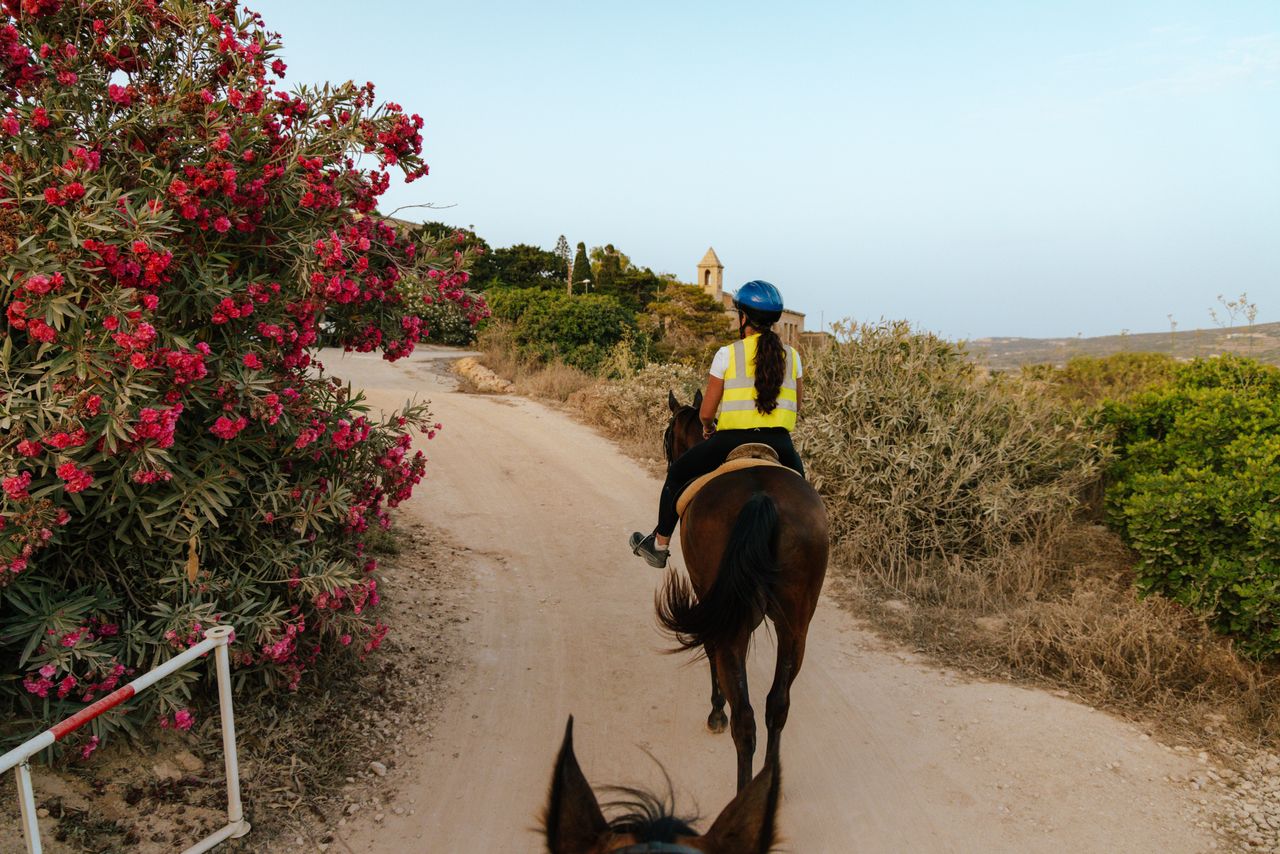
column 758, row 295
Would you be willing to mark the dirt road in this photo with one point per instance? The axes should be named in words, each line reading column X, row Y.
column 882, row 753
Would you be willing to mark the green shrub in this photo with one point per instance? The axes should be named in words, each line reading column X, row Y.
column 924, row 465
column 1195, row 489
column 581, row 331
column 1089, row 380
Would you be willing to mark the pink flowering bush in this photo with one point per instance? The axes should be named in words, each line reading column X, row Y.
column 177, row 229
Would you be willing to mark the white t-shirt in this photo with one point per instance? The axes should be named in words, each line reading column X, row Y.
column 720, row 363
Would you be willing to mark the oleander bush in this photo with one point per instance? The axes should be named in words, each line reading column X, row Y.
column 931, row 472
column 176, row 229
column 1195, row 490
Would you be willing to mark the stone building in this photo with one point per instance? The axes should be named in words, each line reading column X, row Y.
column 711, row 279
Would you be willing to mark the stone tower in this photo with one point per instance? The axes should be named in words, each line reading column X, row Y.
column 711, row 274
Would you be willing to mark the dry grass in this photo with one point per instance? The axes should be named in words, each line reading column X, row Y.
column 1085, row 630
column 548, row 381
column 556, row 381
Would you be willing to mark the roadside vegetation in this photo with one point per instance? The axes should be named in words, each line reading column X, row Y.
column 1107, row 527
column 179, row 234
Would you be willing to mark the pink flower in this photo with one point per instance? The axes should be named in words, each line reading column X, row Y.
column 90, row 746
column 226, row 428
column 41, row 331
column 29, row 448
column 122, row 95
column 40, row 687
column 77, row 479
column 183, row 719
column 16, row 487
column 251, row 360
column 221, row 225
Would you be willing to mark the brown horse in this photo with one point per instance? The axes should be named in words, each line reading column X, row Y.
column 574, row 823
column 755, row 545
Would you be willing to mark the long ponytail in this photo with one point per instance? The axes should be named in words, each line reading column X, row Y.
column 771, row 360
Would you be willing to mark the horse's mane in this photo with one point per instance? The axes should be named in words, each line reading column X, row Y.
column 646, row 816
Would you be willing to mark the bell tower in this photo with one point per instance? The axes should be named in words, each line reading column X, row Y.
column 711, row 274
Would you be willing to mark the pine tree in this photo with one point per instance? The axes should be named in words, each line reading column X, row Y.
column 581, row 269
column 563, row 252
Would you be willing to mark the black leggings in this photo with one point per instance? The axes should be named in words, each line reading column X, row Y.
column 706, row 456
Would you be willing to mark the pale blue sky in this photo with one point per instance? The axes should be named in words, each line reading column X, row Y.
column 987, row 168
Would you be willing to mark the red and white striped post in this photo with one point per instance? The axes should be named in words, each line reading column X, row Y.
column 217, row 639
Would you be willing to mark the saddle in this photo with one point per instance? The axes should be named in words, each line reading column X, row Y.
column 746, row 456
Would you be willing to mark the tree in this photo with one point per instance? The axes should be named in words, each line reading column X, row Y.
column 565, row 254
column 524, row 266
column 172, row 456
column 582, row 273
column 608, row 265
column 687, row 322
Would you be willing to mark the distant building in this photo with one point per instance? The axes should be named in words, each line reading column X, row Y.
column 711, row 279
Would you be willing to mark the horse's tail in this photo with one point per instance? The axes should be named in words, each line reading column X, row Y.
column 743, row 589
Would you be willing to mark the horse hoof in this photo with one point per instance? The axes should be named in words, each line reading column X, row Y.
column 717, row 721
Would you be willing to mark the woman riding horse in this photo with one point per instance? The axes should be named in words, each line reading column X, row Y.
column 756, row 385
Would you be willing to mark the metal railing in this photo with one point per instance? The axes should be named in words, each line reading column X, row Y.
column 217, row 639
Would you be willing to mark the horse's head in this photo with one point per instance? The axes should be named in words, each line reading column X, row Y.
column 575, row 824
column 685, row 428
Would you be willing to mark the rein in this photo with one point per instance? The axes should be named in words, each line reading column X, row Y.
column 657, row 848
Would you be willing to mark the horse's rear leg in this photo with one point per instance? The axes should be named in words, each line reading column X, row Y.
column 791, row 642
column 716, row 721
column 731, row 666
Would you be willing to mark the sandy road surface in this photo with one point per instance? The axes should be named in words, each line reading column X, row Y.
column 882, row 753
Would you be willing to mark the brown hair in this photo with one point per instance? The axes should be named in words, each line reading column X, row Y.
column 771, row 361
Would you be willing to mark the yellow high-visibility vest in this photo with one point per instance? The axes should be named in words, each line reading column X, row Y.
column 738, row 406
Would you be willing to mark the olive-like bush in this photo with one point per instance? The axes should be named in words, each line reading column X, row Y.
column 926, row 466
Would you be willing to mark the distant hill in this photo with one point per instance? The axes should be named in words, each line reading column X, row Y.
column 1260, row 341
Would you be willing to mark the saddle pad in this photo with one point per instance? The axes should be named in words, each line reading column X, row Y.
column 730, row 465
column 753, row 450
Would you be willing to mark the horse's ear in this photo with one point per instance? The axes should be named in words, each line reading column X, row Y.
column 573, row 822
column 672, row 402
column 746, row 825
column 697, row 400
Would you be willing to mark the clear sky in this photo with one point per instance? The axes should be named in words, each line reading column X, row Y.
column 987, row 168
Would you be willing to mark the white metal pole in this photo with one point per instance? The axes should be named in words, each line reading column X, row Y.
column 27, row 804
column 222, row 662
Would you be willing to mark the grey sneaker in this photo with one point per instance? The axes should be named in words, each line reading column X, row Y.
column 647, row 548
